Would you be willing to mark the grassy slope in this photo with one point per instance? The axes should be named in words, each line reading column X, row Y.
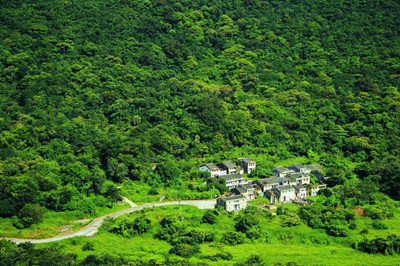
column 306, row 247
column 53, row 222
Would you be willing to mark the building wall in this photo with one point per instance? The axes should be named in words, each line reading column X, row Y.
column 287, row 195
column 236, row 205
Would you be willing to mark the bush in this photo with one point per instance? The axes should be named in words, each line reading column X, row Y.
column 233, row 238
column 374, row 213
column 253, row 260
column 30, row 214
column 209, row 217
column 378, row 225
column 388, row 246
column 337, row 230
column 352, row 226
column 168, row 221
column 141, row 225
column 245, row 223
column 254, row 233
column 185, row 250
column 88, row 246
column 291, row 220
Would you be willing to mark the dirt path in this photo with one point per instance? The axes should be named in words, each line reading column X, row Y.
column 92, row 228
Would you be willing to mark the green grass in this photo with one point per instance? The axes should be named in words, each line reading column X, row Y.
column 54, row 222
column 299, row 244
column 140, row 193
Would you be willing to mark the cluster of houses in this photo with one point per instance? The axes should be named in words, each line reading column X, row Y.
column 286, row 185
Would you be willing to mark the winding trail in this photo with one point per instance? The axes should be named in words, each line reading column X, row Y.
column 92, row 228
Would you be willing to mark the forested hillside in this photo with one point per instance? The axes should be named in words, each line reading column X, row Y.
column 97, row 90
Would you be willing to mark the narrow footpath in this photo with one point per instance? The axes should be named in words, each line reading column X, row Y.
column 92, row 228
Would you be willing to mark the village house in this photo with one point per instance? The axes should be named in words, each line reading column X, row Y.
column 282, row 194
column 300, row 178
column 301, row 191
column 229, row 167
column 298, row 168
column 245, row 190
column 267, row 183
column 233, row 203
column 257, row 190
column 213, row 169
column 315, row 190
column 233, row 180
column 247, row 164
column 281, row 171
column 312, row 167
column 285, row 193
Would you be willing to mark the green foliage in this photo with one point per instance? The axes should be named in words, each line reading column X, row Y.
column 233, row 238
column 185, row 250
column 335, row 221
column 244, row 223
column 12, row 254
column 128, row 228
column 203, row 80
column 375, row 213
column 376, row 224
column 209, row 217
column 388, row 246
column 88, row 246
column 252, row 260
column 31, row 214
column 291, row 220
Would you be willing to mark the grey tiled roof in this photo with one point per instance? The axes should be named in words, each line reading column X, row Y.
column 233, row 198
column 231, row 177
column 211, row 165
column 229, row 164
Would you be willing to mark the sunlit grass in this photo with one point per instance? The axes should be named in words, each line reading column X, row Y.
column 299, row 244
column 55, row 223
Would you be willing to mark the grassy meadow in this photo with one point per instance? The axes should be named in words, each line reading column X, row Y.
column 55, row 223
column 299, row 244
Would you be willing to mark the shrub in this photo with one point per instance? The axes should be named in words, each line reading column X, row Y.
column 254, row 233
column 168, row 221
column 88, row 246
column 374, row 213
column 388, row 246
column 378, row 225
column 353, row 226
column 30, row 214
column 253, row 260
column 337, row 230
column 291, row 220
column 245, row 223
column 141, row 225
column 209, row 217
column 233, row 238
column 185, row 250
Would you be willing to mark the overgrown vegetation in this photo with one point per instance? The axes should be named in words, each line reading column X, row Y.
column 100, row 94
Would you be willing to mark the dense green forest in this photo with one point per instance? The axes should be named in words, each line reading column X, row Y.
column 95, row 91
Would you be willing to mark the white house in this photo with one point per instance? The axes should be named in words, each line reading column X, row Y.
column 281, row 171
column 312, row 167
column 301, row 191
column 315, row 190
column 248, row 164
column 246, row 190
column 233, row 203
column 233, row 180
column 286, row 193
column 267, row 183
column 229, row 167
column 298, row 167
column 213, row 169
